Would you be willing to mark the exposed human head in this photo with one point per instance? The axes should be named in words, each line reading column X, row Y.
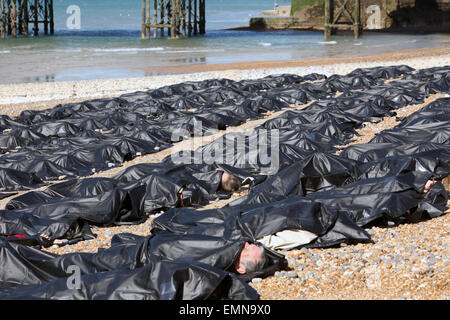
column 230, row 183
column 446, row 183
column 431, row 182
column 251, row 259
column 428, row 185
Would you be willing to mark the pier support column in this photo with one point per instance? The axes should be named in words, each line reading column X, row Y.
column 161, row 21
column 13, row 19
column 36, row 18
column 26, row 17
column 339, row 14
column 327, row 22
column 3, row 20
column 143, row 27
column 172, row 20
column 19, row 17
column 155, row 18
column 189, row 17
column 202, row 17
column 8, row 22
column 148, row 20
column 357, row 17
column 175, row 19
column 183, row 18
column 169, row 16
column 195, row 17
column 52, row 21
column 46, row 13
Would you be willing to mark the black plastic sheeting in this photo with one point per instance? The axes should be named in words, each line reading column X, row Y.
column 163, row 266
column 361, row 192
column 66, row 210
column 374, row 182
column 11, row 180
column 77, row 139
column 322, row 125
column 190, row 252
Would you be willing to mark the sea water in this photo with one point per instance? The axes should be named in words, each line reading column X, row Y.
column 107, row 43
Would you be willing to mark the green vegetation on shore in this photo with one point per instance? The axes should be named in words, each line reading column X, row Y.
column 298, row 5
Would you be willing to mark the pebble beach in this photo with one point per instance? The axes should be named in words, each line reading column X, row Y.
column 404, row 262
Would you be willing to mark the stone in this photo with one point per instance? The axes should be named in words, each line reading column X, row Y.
column 414, row 255
column 278, row 274
column 412, row 249
column 348, row 273
column 373, row 283
column 304, row 250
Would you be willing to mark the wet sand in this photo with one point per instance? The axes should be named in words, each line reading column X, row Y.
column 385, row 57
column 15, row 98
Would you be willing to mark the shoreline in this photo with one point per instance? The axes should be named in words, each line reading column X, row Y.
column 390, row 56
column 17, row 97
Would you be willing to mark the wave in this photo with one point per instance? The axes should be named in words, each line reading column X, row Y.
column 129, row 49
column 327, row 42
column 98, row 33
column 195, row 51
column 154, row 49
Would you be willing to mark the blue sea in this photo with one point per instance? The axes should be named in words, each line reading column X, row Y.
column 108, row 43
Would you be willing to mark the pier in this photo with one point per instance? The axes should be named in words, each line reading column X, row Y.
column 342, row 14
column 17, row 16
column 180, row 18
column 160, row 18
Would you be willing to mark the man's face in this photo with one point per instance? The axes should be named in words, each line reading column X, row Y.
column 225, row 177
column 428, row 185
column 250, row 252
